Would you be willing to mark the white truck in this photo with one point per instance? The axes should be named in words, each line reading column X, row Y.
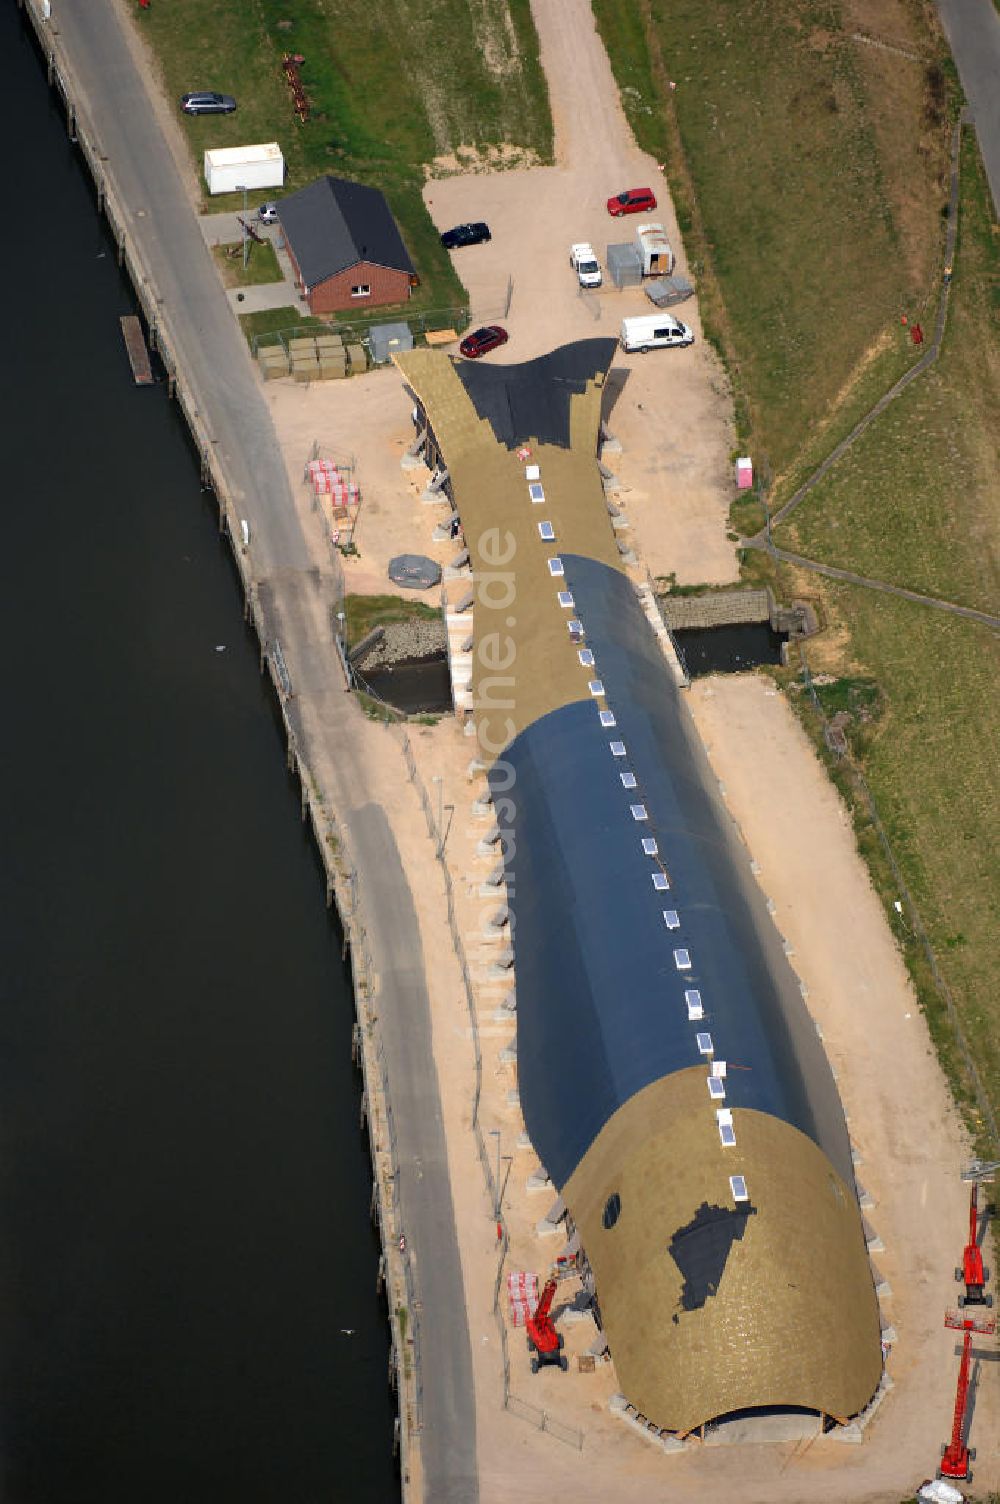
column 585, row 264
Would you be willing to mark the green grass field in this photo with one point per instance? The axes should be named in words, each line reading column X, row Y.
column 363, row 612
column 930, row 759
column 392, row 86
column 915, row 500
column 261, row 268
column 794, row 176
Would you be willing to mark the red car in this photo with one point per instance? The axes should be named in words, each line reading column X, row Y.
column 482, row 341
column 632, row 201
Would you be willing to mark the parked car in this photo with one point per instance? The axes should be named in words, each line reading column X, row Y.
column 482, row 341
column 632, row 201
column 268, row 214
column 585, row 264
column 208, row 103
column 473, row 234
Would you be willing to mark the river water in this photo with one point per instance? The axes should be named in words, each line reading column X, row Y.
column 187, row 1286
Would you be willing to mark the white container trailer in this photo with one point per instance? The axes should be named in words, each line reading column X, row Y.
column 655, row 250
column 231, row 168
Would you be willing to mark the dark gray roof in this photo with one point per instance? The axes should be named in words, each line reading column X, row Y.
column 333, row 224
column 600, row 1000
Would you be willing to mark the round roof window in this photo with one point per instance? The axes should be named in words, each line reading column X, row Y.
column 612, row 1210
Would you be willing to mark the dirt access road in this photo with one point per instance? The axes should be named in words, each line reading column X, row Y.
column 673, row 416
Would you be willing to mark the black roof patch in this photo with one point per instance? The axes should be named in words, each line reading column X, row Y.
column 700, row 1250
column 531, row 400
column 332, row 224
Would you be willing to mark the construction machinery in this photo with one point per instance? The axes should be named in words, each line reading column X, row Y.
column 973, row 1273
column 545, row 1344
column 956, row 1455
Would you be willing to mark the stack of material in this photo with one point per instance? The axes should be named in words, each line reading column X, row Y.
column 343, row 497
column 305, row 364
column 522, row 1295
column 358, row 357
column 321, row 467
column 327, row 478
column 332, row 357
column 305, row 367
column 273, row 361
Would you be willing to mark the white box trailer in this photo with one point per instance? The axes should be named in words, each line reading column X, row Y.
column 231, row 168
column 655, row 250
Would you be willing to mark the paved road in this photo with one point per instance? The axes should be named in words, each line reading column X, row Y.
column 973, row 30
column 161, row 220
column 298, row 600
column 449, row 1455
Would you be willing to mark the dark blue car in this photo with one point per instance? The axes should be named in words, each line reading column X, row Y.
column 465, row 235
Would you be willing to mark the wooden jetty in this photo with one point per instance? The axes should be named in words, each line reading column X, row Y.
column 135, row 344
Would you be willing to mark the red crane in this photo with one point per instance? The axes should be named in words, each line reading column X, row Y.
column 956, row 1456
column 544, row 1343
column 972, row 1272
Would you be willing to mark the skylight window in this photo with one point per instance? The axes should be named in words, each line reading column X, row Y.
column 556, row 567
column 628, row 780
column 694, row 1005
column 586, row 657
column 567, row 602
column 617, row 749
column 608, row 718
column 682, row 960
column 738, row 1186
column 716, row 1088
column 535, row 491
column 660, row 880
column 596, row 687
column 650, row 848
column 546, row 532
column 575, row 628
column 639, row 812
column 671, row 919
column 705, row 1045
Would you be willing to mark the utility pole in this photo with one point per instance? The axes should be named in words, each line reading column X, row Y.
column 241, row 188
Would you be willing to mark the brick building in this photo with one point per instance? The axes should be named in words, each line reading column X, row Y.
column 345, row 246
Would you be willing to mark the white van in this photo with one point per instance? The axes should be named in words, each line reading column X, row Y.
column 654, row 331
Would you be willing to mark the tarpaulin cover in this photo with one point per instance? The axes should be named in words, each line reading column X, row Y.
column 532, row 400
column 415, row 571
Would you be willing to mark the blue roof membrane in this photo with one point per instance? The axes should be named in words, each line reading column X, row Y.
column 600, row 998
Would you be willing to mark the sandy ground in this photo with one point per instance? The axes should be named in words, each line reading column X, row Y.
column 673, row 419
